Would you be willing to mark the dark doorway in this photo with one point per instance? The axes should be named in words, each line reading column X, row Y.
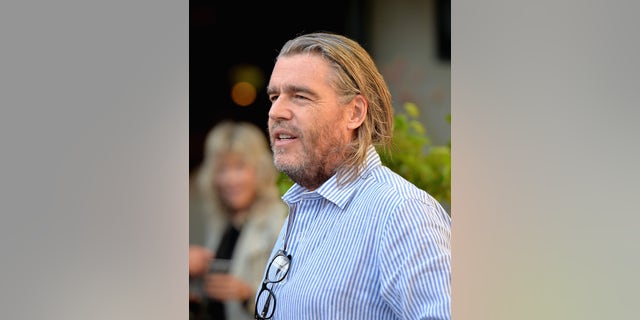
column 229, row 40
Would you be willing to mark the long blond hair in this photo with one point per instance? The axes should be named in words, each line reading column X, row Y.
column 247, row 141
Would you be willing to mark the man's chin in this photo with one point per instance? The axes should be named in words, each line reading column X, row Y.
column 285, row 165
column 282, row 167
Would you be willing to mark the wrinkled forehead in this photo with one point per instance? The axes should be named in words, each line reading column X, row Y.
column 299, row 69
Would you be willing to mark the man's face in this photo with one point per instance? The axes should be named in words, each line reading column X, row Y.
column 307, row 122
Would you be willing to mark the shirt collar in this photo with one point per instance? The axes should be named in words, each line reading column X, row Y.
column 330, row 190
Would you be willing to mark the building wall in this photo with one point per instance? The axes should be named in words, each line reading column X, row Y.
column 404, row 42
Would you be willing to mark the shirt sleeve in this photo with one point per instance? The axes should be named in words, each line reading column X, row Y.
column 415, row 261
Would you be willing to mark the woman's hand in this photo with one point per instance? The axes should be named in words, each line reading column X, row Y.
column 199, row 259
column 223, row 287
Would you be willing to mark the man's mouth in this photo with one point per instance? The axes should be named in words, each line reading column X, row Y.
column 284, row 137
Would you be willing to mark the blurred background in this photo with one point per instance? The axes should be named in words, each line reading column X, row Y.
column 233, row 44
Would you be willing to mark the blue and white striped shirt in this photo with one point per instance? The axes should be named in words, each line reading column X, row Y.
column 376, row 248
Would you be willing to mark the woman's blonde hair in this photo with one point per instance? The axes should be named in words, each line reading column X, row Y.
column 247, row 141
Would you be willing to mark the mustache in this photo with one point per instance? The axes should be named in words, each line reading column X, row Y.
column 284, row 126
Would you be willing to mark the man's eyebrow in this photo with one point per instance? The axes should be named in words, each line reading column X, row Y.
column 292, row 88
column 271, row 90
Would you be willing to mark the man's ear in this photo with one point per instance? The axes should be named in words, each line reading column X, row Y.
column 357, row 112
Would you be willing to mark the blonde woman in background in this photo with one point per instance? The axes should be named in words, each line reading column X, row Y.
column 235, row 189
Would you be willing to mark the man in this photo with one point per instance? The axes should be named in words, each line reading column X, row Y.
column 360, row 241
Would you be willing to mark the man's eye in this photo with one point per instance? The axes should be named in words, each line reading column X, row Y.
column 273, row 98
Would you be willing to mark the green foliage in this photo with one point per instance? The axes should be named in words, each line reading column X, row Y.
column 284, row 183
column 413, row 156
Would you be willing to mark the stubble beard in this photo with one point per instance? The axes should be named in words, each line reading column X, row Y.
column 322, row 152
column 310, row 168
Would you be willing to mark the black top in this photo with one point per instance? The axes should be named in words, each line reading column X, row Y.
column 225, row 251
